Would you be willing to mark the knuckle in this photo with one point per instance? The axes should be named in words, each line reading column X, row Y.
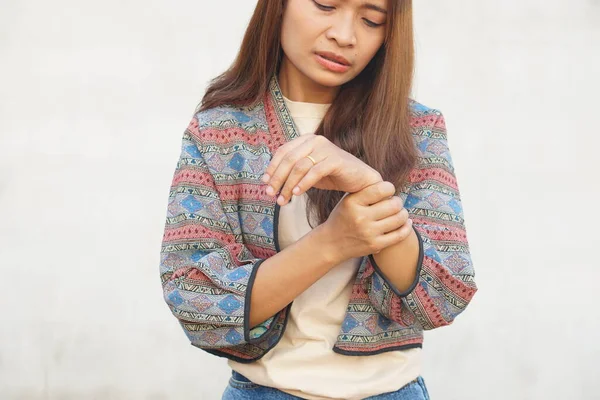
column 389, row 187
column 319, row 170
column 398, row 201
column 285, row 188
column 320, row 139
column 275, row 181
column 400, row 219
column 288, row 158
column 359, row 220
column 397, row 204
column 403, row 235
column 307, row 165
column 298, row 168
column 373, row 247
column 374, row 173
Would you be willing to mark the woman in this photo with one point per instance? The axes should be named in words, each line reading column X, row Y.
column 314, row 227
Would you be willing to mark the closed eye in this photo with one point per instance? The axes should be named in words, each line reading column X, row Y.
column 329, row 8
column 322, row 7
column 371, row 23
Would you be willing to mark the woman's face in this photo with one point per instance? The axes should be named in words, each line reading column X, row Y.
column 315, row 30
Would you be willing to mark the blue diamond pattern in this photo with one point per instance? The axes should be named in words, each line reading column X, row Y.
column 383, row 322
column 431, row 253
column 411, row 200
column 192, row 150
column 349, row 323
column 267, row 226
column 229, row 304
column 423, row 145
column 191, row 204
column 241, row 117
column 238, row 274
column 175, row 299
column 233, row 336
column 455, row 205
column 198, row 255
column 420, row 107
column 237, row 162
column 376, row 282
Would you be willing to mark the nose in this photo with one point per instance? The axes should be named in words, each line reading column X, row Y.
column 342, row 30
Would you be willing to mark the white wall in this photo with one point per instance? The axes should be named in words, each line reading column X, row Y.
column 95, row 96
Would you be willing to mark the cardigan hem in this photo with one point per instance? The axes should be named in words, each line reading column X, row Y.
column 417, row 276
column 248, row 295
column 374, row 352
column 220, row 353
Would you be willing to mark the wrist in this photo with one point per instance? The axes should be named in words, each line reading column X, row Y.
column 324, row 239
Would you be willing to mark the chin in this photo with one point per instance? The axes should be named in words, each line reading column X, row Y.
column 331, row 79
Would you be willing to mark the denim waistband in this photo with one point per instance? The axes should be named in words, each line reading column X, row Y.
column 237, row 376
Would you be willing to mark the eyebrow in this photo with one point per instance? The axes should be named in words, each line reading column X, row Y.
column 371, row 6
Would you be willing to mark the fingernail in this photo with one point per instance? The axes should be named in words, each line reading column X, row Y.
column 280, row 200
column 296, row 190
column 270, row 191
column 265, row 178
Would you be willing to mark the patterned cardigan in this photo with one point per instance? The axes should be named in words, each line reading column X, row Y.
column 221, row 225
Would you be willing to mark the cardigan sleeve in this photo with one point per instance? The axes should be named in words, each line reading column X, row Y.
column 444, row 284
column 206, row 270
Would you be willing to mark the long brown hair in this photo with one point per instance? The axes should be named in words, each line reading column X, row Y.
column 370, row 116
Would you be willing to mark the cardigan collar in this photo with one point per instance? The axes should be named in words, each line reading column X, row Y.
column 286, row 122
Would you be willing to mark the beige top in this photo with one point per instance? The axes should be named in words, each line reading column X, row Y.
column 303, row 362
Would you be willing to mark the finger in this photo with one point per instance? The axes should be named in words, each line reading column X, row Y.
column 398, row 235
column 281, row 153
column 299, row 170
column 280, row 175
column 392, row 223
column 314, row 175
column 386, row 208
column 375, row 193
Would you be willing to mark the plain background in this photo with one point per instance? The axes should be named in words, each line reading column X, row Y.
column 94, row 99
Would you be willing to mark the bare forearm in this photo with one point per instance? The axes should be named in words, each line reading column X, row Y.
column 399, row 261
column 284, row 276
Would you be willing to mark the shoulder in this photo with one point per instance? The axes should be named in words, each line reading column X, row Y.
column 223, row 131
column 427, row 122
column 422, row 115
column 430, row 136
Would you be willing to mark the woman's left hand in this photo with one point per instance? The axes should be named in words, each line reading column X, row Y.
column 335, row 169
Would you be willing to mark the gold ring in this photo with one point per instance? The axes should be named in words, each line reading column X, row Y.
column 312, row 159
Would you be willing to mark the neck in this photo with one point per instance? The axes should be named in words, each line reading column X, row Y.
column 298, row 87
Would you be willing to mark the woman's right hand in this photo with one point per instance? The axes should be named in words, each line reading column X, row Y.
column 365, row 222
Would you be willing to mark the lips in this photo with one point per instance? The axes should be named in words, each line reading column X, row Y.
column 334, row 57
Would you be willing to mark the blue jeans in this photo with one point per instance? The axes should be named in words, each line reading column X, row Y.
column 241, row 388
